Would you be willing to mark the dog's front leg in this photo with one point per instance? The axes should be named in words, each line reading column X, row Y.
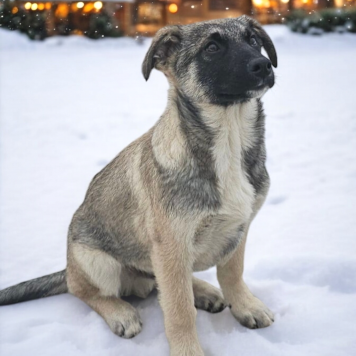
column 172, row 262
column 245, row 307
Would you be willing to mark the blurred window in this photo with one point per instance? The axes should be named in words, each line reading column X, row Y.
column 149, row 12
column 223, row 5
column 191, row 8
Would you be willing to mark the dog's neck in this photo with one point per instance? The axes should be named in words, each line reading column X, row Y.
column 209, row 124
column 210, row 134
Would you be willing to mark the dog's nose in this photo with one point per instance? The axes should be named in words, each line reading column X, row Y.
column 260, row 67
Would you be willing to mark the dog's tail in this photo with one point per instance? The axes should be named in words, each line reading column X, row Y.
column 52, row 284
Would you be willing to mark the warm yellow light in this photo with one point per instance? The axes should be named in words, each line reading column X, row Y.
column 34, row 7
column 15, row 10
column 173, row 8
column 285, row 1
column 98, row 5
column 88, row 7
column 80, row 4
column 48, row 5
column 62, row 11
column 257, row 2
column 41, row 6
column 305, row 1
column 28, row 6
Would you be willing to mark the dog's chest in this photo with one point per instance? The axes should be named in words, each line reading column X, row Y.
column 234, row 137
column 215, row 240
column 219, row 234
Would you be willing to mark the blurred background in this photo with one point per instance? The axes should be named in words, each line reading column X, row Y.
column 113, row 18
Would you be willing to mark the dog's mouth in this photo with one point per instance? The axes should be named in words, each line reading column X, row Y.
column 231, row 96
column 248, row 94
column 262, row 86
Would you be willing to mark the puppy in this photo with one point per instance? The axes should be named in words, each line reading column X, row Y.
column 180, row 198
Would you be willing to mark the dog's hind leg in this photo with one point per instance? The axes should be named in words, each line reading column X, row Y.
column 207, row 297
column 95, row 277
column 135, row 282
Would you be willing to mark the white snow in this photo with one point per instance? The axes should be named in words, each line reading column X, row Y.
column 69, row 105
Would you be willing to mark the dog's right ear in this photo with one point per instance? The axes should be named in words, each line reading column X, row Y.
column 164, row 44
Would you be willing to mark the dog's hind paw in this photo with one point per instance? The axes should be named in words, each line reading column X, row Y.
column 128, row 325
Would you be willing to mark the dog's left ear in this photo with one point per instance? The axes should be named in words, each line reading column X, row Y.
column 164, row 44
column 266, row 40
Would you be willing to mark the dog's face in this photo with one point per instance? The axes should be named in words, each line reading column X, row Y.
column 218, row 62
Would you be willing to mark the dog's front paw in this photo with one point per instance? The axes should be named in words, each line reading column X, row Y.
column 251, row 312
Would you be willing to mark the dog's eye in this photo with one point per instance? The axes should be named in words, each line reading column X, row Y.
column 212, row 47
column 253, row 41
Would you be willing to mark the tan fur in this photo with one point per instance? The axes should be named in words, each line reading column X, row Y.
column 88, row 277
column 102, row 270
column 245, row 307
column 167, row 141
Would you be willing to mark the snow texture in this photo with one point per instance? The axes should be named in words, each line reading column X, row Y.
column 69, row 105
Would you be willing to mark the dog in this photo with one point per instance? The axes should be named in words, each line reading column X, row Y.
column 180, row 198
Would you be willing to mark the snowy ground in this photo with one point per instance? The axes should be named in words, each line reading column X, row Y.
column 68, row 106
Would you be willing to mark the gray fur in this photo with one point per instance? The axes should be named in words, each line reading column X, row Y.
column 45, row 286
column 193, row 186
column 93, row 224
column 233, row 241
column 255, row 157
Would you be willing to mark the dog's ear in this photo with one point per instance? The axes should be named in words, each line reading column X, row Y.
column 266, row 40
column 164, row 44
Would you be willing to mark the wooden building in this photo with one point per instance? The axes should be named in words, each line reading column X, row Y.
column 151, row 15
column 63, row 17
column 142, row 17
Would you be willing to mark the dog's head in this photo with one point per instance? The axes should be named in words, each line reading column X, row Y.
column 217, row 61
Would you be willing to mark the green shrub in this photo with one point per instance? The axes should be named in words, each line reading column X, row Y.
column 326, row 20
column 100, row 26
column 33, row 23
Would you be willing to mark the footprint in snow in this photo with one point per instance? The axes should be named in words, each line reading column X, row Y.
column 277, row 200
